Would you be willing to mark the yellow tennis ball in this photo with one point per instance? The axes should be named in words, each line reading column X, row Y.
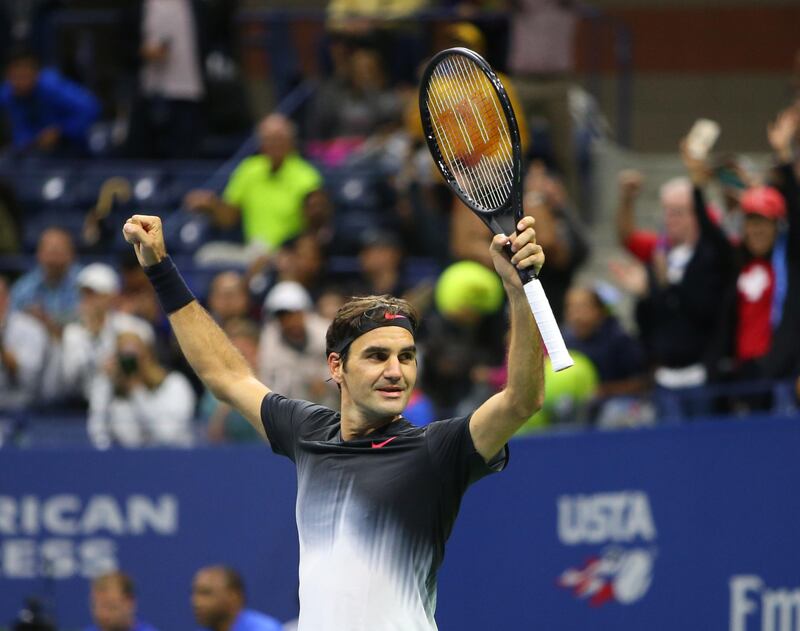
column 468, row 287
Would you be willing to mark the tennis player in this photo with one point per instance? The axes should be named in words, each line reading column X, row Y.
column 377, row 497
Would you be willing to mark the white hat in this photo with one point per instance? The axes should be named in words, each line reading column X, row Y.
column 287, row 295
column 100, row 278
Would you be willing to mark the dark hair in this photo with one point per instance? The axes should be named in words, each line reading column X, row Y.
column 120, row 579
column 21, row 52
column 233, row 580
column 347, row 323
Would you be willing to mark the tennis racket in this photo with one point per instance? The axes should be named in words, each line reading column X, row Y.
column 472, row 134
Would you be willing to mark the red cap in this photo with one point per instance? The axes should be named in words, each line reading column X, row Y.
column 765, row 201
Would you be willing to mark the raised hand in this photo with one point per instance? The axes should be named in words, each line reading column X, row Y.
column 526, row 253
column 145, row 234
column 781, row 132
column 630, row 183
column 630, row 276
column 699, row 171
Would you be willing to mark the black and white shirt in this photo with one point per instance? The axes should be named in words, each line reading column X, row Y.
column 373, row 514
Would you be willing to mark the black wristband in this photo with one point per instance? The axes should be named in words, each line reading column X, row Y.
column 170, row 287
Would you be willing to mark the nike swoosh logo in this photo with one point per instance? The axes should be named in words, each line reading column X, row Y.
column 384, row 443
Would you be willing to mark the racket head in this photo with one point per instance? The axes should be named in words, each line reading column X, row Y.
column 471, row 132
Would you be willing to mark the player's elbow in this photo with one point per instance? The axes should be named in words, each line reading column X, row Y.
column 222, row 383
column 523, row 405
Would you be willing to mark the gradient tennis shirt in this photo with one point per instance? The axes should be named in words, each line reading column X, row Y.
column 373, row 514
column 271, row 201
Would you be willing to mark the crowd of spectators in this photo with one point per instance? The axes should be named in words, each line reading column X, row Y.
column 340, row 199
column 218, row 602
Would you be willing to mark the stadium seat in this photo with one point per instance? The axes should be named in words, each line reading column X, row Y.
column 43, row 187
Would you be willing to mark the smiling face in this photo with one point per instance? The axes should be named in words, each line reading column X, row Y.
column 378, row 375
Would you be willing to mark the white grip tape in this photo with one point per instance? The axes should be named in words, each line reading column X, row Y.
column 548, row 327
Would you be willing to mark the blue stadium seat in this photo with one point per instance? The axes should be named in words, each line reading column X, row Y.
column 44, row 187
column 148, row 182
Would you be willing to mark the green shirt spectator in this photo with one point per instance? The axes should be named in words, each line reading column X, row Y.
column 271, row 201
column 273, row 196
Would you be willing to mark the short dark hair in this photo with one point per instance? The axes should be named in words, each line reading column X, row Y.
column 21, row 52
column 348, row 318
column 233, row 580
column 120, row 579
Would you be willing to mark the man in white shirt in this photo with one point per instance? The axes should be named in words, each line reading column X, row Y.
column 90, row 342
column 291, row 351
column 136, row 402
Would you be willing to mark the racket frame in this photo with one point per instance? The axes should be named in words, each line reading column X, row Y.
column 543, row 314
column 514, row 201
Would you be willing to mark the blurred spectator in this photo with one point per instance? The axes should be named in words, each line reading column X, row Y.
column 48, row 113
column 33, row 617
column 225, row 424
column 592, row 330
column 390, row 27
column 137, row 402
column 381, row 265
column 301, row 259
column 113, row 604
column 462, row 336
column 346, row 110
column 569, row 395
column 29, row 21
column 679, row 291
column 761, row 334
column 10, row 220
column 541, row 60
column 136, row 295
column 50, row 292
column 218, row 601
column 291, row 353
column 330, row 300
column 91, row 341
column 166, row 121
column 23, row 352
column 558, row 230
column 680, row 223
column 228, row 297
column 269, row 194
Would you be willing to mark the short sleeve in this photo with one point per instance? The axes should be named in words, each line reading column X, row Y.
column 453, row 453
column 286, row 421
column 313, row 180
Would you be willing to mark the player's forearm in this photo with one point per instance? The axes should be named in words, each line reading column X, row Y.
column 207, row 349
column 524, row 391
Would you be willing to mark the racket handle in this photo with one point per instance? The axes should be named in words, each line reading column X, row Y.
column 548, row 327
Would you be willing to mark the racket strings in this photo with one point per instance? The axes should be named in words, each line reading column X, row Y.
column 477, row 180
column 471, row 131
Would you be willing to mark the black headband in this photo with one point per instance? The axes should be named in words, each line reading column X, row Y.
column 367, row 324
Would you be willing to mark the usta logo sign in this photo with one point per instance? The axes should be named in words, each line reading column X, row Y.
column 615, row 573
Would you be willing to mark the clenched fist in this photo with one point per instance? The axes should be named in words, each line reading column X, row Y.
column 144, row 233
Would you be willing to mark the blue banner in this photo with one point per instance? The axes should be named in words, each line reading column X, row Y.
column 687, row 527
